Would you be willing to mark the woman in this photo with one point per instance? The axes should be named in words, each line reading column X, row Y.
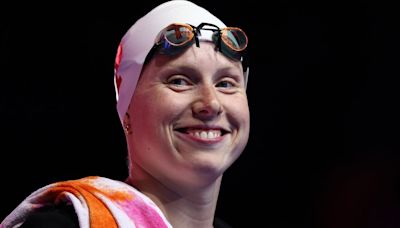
column 180, row 77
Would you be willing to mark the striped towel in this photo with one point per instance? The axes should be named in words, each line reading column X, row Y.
column 98, row 202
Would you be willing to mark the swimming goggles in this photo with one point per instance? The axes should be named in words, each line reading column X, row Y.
column 176, row 37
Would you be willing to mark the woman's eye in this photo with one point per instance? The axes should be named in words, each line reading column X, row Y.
column 178, row 82
column 225, row 84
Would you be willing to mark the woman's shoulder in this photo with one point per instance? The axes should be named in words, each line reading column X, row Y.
column 62, row 216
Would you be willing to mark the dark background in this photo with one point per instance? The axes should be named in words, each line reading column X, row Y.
column 323, row 93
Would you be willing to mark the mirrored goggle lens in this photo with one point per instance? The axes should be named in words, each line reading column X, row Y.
column 235, row 38
column 178, row 35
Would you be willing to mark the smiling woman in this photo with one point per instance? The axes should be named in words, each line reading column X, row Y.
column 186, row 119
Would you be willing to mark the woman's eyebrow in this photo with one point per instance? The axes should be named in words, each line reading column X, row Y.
column 183, row 68
column 230, row 70
column 195, row 68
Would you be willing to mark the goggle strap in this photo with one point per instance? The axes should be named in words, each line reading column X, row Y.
column 219, row 44
column 197, row 41
column 196, row 33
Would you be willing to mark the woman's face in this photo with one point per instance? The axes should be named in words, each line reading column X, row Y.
column 189, row 117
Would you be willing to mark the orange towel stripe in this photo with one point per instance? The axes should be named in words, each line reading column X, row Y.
column 100, row 216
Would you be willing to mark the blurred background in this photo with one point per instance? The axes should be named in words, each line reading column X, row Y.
column 323, row 94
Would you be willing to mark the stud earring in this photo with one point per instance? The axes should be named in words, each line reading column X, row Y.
column 127, row 129
column 127, row 125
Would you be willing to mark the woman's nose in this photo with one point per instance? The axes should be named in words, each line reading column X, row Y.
column 207, row 106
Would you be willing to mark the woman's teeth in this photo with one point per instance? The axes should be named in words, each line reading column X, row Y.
column 205, row 134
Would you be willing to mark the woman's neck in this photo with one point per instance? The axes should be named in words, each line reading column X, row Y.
column 183, row 207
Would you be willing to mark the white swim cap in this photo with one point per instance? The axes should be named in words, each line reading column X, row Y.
column 140, row 38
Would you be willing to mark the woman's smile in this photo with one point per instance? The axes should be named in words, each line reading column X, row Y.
column 202, row 135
